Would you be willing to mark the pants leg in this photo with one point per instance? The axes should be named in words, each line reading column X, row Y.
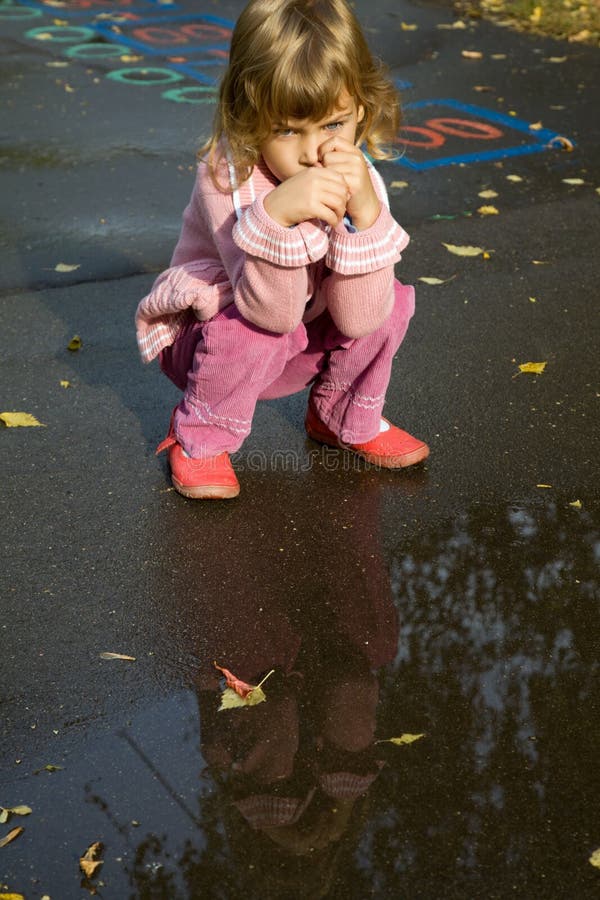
column 230, row 363
column 348, row 395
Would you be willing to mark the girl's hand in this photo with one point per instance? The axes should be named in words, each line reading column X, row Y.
column 339, row 155
column 314, row 193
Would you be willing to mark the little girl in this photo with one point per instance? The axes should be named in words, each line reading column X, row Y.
column 283, row 275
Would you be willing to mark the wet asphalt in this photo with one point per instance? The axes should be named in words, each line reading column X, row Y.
column 458, row 600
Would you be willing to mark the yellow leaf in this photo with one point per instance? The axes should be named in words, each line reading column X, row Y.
column 20, row 420
column 65, row 384
column 557, row 59
column 576, row 503
column 117, row 656
column 12, row 897
column 488, row 211
column 75, row 343
column 89, row 862
column 11, row 836
column 498, row 55
column 539, row 262
column 463, row 251
column 487, row 195
column 435, row 280
column 514, row 178
column 403, row 739
column 472, row 54
column 399, row 184
column 458, row 24
column 66, row 267
column 595, row 858
column 13, row 811
column 536, row 126
column 535, row 368
column 543, row 485
column 536, row 15
column 231, row 700
column 533, row 299
column 406, row 27
column 573, row 181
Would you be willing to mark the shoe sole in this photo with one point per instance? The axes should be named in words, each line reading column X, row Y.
column 382, row 462
column 206, row 491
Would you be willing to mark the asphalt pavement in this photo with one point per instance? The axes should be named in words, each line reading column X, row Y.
column 457, row 601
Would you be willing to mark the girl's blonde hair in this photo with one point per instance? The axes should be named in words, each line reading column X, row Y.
column 293, row 59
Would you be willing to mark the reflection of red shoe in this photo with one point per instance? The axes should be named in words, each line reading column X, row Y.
column 392, row 448
column 212, row 478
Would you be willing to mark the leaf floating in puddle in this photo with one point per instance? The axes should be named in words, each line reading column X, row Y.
column 403, row 739
column 89, row 862
column 108, row 655
column 463, row 251
column 11, row 836
column 239, row 693
column 20, row 420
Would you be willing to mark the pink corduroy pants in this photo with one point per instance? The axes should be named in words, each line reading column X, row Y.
column 226, row 364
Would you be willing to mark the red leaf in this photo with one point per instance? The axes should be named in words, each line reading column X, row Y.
column 240, row 687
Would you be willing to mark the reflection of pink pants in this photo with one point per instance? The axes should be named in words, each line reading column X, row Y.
column 226, row 364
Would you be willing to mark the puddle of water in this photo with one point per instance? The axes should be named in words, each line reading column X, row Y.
column 480, row 632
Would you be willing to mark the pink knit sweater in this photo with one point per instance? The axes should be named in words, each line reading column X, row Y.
column 231, row 251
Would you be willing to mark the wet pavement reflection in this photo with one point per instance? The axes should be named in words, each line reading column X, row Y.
column 480, row 631
column 494, row 656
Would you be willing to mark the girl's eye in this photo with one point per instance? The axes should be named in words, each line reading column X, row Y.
column 284, row 132
column 333, row 126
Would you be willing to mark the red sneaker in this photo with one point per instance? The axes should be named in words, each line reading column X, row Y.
column 392, row 448
column 212, row 478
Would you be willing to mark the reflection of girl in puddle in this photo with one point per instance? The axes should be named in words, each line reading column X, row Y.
column 292, row 769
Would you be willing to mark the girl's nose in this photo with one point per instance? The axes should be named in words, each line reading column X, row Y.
column 309, row 155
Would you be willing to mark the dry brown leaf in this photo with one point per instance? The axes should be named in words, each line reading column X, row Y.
column 11, row 836
column 20, row 420
column 89, row 862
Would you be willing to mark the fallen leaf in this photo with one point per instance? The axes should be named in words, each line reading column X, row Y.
column 399, row 184
column 536, row 126
column 12, row 897
column 7, row 812
column 405, row 26
column 543, row 485
column 483, row 88
column 533, row 368
column 463, row 251
column 576, row 503
column 487, row 195
column 436, row 280
column 472, row 54
column 403, row 739
column 556, row 59
column 66, row 267
column 498, row 55
column 514, row 178
column 20, row 420
column 539, row 262
column 595, row 858
column 533, row 299
column 89, row 863
column 459, row 24
column 580, row 36
column 49, row 768
column 117, row 656
column 75, row 343
column 65, row 384
column 536, row 15
column 563, row 142
column 11, row 836
column 573, row 181
column 488, row 211
column 240, row 693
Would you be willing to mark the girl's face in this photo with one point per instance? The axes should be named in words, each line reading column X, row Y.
column 294, row 145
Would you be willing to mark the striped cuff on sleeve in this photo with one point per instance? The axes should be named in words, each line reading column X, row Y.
column 369, row 250
column 257, row 234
